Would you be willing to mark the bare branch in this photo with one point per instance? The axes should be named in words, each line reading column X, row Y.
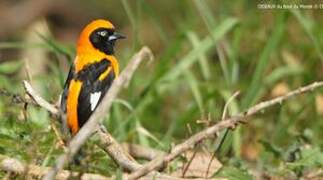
column 162, row 159
column 15, row 98
column 39, row 100
column 139, row 151
column 124, row 160
column 17, row 167
column 92, row 124
column 230, row 122
column 116, row 152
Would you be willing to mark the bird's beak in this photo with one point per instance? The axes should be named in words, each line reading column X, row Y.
column 116, row 36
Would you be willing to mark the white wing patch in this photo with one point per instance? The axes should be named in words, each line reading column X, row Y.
column 94, row 99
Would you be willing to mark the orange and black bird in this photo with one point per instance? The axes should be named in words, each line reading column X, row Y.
column 91, row 74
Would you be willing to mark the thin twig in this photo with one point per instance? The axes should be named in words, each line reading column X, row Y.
column 39, row 100
column 58, row 135
column 226, row 106
column 230, row 122
column 15, row 98
column 53, row 110
column 185, row 167
column 91, row 125
column 222, row 138
column 122, row 158
column 189, row 163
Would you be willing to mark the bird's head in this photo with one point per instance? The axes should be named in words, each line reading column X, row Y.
column 98, row 35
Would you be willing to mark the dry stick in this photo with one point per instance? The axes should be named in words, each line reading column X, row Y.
column 39, row 100
column 46, row 105
column 123, row 159
column 227, row 123
column 15, row 98
column 222, row 138
column 226, row 106
column 14, row 165
column 139, row 151
column 58, row 135
column 17, row 167
column 91, row 125
column 116, row 152
column 114, row 149
column 189, row 163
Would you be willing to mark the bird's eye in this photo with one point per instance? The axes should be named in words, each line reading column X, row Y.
column 103, row 33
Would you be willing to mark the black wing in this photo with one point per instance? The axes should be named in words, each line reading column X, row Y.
column 92, row 87
column 65, row 90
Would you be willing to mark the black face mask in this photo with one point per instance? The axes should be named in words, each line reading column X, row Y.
column 104, row 39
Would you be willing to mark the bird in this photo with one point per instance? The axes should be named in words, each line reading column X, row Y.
column 91, row 74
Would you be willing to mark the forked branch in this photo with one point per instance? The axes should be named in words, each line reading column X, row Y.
column 141, row 170
column 230, row 122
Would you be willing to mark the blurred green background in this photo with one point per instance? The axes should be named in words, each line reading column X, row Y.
column 205, row 51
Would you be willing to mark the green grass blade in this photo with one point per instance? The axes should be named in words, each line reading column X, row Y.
column 58, row 47
column 205, row 45
column 133, row 21
column 193, row 83
column 257, row 76
column 22, row 45
column 206, row 13
column 10, row 66
column 282, row 72
column 210, row 22
column 205, row 66
column 308, row 25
